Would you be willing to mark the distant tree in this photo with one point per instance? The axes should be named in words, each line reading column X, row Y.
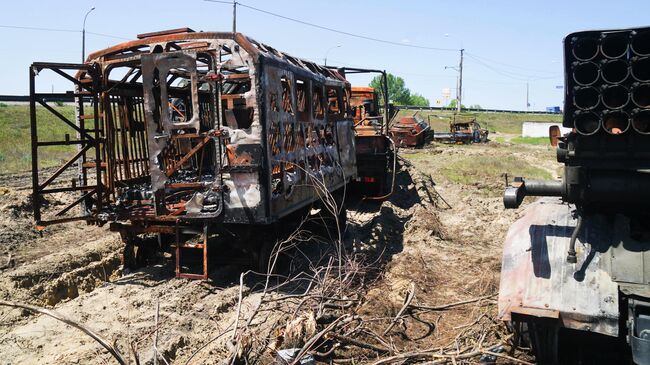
column 475, row 106
column 397, row 90
column 418, row 100
column 454, row 102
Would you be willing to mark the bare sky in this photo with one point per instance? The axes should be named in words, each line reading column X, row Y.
column 507, row 43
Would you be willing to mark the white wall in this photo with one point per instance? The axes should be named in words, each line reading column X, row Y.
column 534, row 129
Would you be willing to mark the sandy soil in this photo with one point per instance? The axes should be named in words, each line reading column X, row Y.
column 442, row 238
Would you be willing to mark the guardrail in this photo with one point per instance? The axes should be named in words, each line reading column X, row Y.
column 439, row 108
column 25, row 98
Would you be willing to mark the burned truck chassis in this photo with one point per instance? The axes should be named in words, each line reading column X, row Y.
column 159, row 155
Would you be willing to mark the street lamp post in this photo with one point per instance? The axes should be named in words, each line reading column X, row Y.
column 83, row 37
column 328, row 51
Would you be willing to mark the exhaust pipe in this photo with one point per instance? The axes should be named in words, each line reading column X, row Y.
column 614, row 45
column 615, row 71
column 586, row 123
column 586, row 98
column 615, row 96
column 616, row 122
column 585, row 73
column 641, row 121
column 584, row 49
column 640, row 44
column 514, row 195
column 641, row 68
column 641, row 95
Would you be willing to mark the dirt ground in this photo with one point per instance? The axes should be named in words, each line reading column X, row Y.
column 435, row 240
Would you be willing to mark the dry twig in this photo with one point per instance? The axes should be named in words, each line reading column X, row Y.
column 110, row 348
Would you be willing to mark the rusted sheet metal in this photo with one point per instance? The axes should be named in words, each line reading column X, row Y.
column 537, row 281
column 409, row 132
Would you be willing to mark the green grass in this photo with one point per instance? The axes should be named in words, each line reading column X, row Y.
column 485, row 171
column 15, row 137
column 539, row 141
column 488, row 172
column 495, row 122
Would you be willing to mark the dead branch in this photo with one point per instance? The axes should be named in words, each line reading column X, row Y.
column 477, row 320
column 407, row 301
column 509, row 358
column 451, row 305
column 308, row 344
column 357, row 343
column 228, row 329
column 110, row 348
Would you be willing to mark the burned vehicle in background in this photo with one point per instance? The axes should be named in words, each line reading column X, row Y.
column 375, row 151
column 187, row 135
column 576, row 267
column 462, row 130
column 410, row 132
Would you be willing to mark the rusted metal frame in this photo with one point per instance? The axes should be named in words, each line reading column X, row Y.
column 128, row 113
column 81, row 122
column 216, row 110
column 124, row 131
column 75, row 203
column 60, row 143
column 72, row 79
column 141, row 158
column 164, row 32
column 98, row 162
column 386, row 107
column 109, row 147
column 142, row 138
column 64, row 119
column 171, row 170
column 68, row 189
column 117, row 148
column 64, row 167
column 66, row 66
column 123, row 144
column 62, row 220
column 34, row 135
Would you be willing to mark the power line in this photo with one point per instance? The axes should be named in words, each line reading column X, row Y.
column 512, row 75
column 43, row 29
column 513, row 66
column 108, row 35
column 60, row 30
column 336, row 30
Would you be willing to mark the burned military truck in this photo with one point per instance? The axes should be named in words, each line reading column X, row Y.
column 183, row 133
column 576, row 267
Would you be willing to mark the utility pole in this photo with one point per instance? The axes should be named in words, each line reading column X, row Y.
column 460, row 81
column 234, row 16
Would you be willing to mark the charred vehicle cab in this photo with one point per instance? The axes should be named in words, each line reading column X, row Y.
column 577, row 264
column 183, row 133
column 375, row 152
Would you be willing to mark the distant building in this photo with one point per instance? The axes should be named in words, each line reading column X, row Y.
column 540, row 129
